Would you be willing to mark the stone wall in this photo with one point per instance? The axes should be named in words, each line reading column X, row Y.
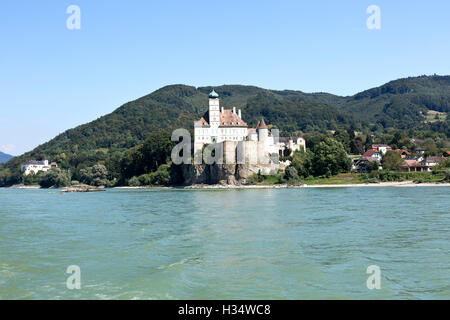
column 236, row 167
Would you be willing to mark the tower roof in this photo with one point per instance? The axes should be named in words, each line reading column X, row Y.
column 213, row 95
column 261, row 125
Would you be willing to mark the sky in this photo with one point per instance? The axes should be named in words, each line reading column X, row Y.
column 53, row 78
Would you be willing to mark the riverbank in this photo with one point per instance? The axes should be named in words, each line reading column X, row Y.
column 253, row 186
column 287, row 186
column 21, row 186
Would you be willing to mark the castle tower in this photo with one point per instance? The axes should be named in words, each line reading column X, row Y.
column 214, row 110
column 263, row 131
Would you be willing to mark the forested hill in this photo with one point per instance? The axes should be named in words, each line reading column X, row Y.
column 401, row 104
column 4, row 157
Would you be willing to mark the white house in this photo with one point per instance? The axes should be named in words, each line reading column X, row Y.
column 34, row 166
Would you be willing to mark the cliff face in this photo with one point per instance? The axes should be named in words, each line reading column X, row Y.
column 223, row 173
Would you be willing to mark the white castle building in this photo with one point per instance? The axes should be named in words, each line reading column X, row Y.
column 218, row 125
column 34, row 167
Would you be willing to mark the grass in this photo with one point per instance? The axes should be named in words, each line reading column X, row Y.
column 342, row 178
column 352, row 178
column 431, row 116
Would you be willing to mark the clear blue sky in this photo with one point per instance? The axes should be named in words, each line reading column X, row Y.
column 53, row 79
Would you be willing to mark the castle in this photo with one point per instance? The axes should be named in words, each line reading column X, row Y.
column 226, row 126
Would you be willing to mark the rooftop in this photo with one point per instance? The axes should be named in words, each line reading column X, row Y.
column 213, row 95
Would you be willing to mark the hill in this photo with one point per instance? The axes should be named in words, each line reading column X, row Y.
column 401, row 104
column 5, row 157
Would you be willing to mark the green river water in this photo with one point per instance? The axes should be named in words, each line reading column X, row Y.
column 226, row 244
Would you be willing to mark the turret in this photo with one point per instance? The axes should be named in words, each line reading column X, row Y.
column 263, row 130
column 214, row 109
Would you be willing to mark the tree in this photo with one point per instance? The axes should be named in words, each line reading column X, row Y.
column 343, row 137
column 430, row 147
column 134, row 182
column 330, row 158
column 55, row 178
column 392, row 160
column 96, row 175
column 146, row 158
column 302, row 162
column 291, row 173
column 356, row 146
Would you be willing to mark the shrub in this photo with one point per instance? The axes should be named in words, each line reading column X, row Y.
column 134, row 182
column 291, row 173
column 160, row 177
column 447, row 175
column 95, row 175
column 55, row 178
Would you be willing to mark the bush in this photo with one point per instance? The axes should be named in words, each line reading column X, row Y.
column 291, row 173
column 386, row 176
column 160, row 177
column 55, row 178
column 447, row 175
column 145, row 179
column 134, row 182
column 255, row 178
column 95, row 175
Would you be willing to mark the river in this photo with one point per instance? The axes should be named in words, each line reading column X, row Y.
column 226, row 244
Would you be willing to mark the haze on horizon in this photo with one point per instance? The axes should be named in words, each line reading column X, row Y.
column 53, row 78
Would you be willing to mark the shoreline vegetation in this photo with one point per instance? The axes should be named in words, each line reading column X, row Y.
column 82, row 188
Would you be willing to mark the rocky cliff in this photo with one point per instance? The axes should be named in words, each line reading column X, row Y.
column 224, row 173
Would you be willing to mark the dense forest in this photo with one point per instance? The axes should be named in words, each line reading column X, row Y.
column 416, row 107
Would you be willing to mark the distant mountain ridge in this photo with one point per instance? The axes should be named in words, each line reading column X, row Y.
column 399, row 104
column 5, row 157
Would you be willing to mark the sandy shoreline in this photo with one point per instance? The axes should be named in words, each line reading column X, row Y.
column 285, row 186
column 281, row 186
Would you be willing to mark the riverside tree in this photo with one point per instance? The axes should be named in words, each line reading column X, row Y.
column 96, row 175
column 330, row 158
column 392, row 161
column 55, row 178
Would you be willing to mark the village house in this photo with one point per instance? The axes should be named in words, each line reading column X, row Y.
column 373, row 154
column 34, row 166
column 432, row 161
column 363, row 164
column 403, row 153
column 421, row 165
column 381, row 148
column 220, row 125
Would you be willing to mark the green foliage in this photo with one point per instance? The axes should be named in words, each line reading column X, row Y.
column 446, row 176
column 134, row 182
column 147, row 157
column 56, row 178
column 330, row 158
column 302, row 162
column 291, row 173
column 95, row 175
column 32, row 179
column 373, row 166
column 443, row 165
column 392, row 160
